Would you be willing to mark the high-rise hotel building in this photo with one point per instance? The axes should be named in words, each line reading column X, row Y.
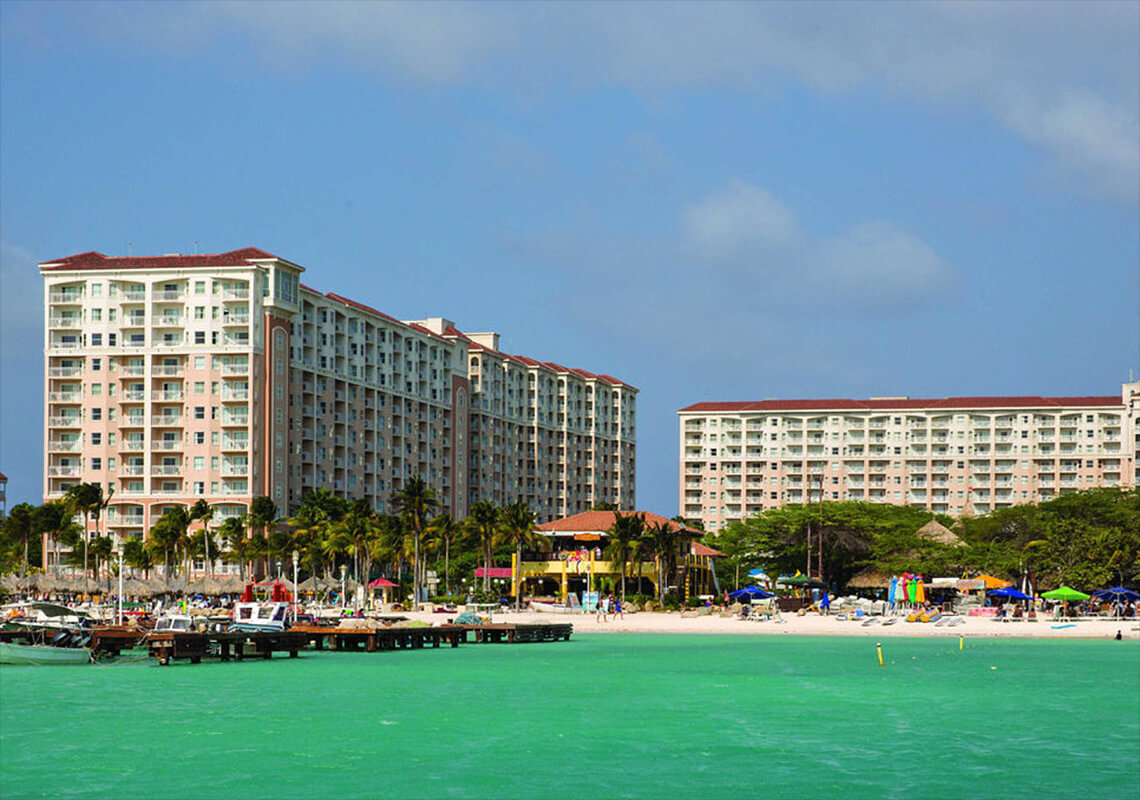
column 954, row 455
column 221, row 377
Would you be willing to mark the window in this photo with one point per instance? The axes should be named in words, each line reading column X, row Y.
column 96, row 414
column 199, row 362
column 199, row 387
column 96, row 290
column 96, row 438
column 111, row 463
column 199, row 462
column 199, row 287
column 199, row 437
column 199, row 412
column 96, row 340
column 199, row 487
column 96, row 315
column 96, row 389
column 200, row 337
column 97, row 463
column 96, row 364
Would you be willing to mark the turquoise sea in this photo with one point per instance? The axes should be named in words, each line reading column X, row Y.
column 602, row 716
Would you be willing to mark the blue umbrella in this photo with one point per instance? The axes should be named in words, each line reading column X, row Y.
column 750, row 592
column 1117, row 592
column 893, row 590
column 1009, row 591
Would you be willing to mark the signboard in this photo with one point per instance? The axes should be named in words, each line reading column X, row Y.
column 590, row 602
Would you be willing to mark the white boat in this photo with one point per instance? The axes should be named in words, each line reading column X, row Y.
column 260, row 616
column 571, row 607
column 179, row 623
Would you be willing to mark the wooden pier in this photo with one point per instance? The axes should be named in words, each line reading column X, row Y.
column 194, row 646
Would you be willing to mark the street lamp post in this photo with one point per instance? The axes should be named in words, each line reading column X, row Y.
column 343, row 599
column 119, row 615
column 296, row 608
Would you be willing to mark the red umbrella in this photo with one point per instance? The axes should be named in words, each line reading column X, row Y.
column 382, row 583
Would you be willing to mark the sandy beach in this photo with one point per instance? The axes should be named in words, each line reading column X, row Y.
column 815, row 625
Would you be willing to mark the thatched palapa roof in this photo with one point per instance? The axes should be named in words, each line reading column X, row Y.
column 935, row 531
column 869, row 578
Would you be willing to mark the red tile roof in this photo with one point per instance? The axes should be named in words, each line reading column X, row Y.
column 899, row 405
column 93, row 260
column 452, row 331
column 704, row 550
column 3, row 477
column 602, row 521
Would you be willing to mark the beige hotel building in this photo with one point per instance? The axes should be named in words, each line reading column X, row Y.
column 221, row 377
column 956, row 455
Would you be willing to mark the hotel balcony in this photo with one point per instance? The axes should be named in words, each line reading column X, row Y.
column 65, row 372
column 65, row 322
column 132, row 445
column 65, row 422
column 132, row 370
column 166, row 444
column 167, row 370
column 65, row 397
column 66, row 298
column 132, row 421
column 65, row 447
column 235, row 294
column 230, row 370
column 234, row 395
column 235, row 319
column 235, row 470
column 161, row 469
column 235, row 420
column 132, row 470
column 66, row 471
column 133, row 396
column 231, row 444
column 166, row 395
column 166, row 420
column 169, row 295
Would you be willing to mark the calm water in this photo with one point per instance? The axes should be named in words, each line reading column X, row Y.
column 600, row 716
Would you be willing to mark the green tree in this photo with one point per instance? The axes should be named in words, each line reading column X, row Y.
column 517, row 522
column 203, row 512
column 233, row 534
column 168, row 533
column 446, row 532
column 85, row 498
column 415, row 503
column 21, row 526
column 262, row 513
column 662, row 541
column 483, row 521
column 625, row 534
column 56, row 519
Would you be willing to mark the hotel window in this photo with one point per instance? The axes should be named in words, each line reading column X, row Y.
column 96, row 340
column 96, row 315
column 199, row 312
column 199, row 487
column 111, row 463
column 96, row 438
column 96, row 414
column 97, row 464
column 199, row 437
column 199, row 412
column 96, row 290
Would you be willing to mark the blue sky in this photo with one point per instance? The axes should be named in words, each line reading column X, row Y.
column 710, row 201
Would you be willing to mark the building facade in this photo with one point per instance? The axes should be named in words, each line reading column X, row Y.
column 958, row 455
column 222, row 377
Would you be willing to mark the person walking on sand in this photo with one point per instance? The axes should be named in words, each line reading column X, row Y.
column 617, row 609
column 600, row 608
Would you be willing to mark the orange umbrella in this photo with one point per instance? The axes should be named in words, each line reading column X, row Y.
column 992, row 582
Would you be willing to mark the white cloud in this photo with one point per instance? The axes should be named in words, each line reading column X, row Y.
column 1063, row 76
column 739, row 220
column 747, row 230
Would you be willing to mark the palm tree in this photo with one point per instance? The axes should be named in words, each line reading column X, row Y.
column 262, row 512
column 233, row 534
column 625, row 533
column 483, row 521
column 21, row 524
column 55, row 518
column 446, row 531
column 415, row 503
column 85, row 497
column 167, row 533
column 662, row 541
column 204, row 512
column 518, row 524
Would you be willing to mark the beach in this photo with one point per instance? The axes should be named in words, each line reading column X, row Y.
column 816, row 625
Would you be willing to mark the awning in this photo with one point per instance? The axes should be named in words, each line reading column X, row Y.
column 493, row 572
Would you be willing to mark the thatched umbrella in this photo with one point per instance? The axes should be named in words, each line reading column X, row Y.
column 86, row 585
column 208, row 585
column 134, row 587
column 231, row 584
column 315, row 584
column 869, row 578
column 935, row 531
column 10, row 582
column 43, row 583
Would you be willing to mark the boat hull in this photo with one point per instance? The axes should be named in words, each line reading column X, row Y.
column 43, row 655
column 551, row 608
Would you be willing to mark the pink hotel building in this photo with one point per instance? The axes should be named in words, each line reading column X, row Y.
column 181, row 377
column 957, row 455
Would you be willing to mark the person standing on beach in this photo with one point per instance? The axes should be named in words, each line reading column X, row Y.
column 617, row 609
column 825, row 604
column 600, row 609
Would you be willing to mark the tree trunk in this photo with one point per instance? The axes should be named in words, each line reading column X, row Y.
column 416, row 573
column 446, row 564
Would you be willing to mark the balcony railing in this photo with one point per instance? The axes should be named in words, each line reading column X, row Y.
column 132, row 445
column 134, row 296
column 132, row 470
column 169, row 295
column 65, row 372
column 65, row 397
column 66, row 297
column 168, row 370
column 166, row 444
column 133, row 421
column 235, row 294
column 235, row 469
column 235, row 369
column 229, row 443
column 66, row 345
column 234, row 420
column 235, row 394
column 133, row 396
column 162, row 469
column 132, row 371
column 65, row 322
column 166, row 420
column 64, row 472
column 65, row 447
column 166, row 394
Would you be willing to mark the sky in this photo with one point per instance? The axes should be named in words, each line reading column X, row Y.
column 709, row 201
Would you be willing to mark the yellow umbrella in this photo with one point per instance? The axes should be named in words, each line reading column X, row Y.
column 919, row 593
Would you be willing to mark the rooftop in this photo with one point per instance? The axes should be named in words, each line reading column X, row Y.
column 902, row 404
column 94, row 260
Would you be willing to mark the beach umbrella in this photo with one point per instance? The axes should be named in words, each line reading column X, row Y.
column 801, row 582
column 751, row 593
column 1009, row 592
column 1116, row 593
column 231, row 584
column 991, row 582
column 382, row 583
column 1066, row 594
column 919, row 592
column 892, row 593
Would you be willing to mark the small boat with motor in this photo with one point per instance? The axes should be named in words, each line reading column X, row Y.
column 571, row 606
column 60, row 648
